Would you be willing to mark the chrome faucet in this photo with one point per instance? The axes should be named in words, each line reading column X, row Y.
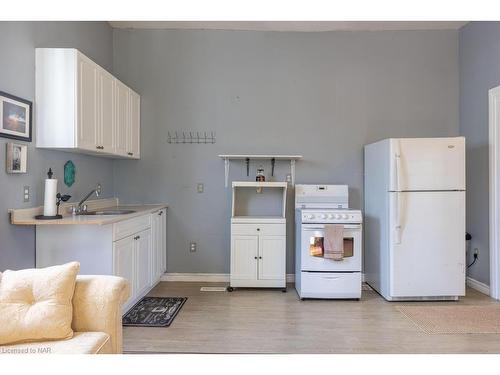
column 82, row 208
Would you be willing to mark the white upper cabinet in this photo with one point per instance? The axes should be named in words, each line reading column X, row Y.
column 81, row 107
column 106, row 100
column 122, row 117
column 87, row 128
column 134, row 127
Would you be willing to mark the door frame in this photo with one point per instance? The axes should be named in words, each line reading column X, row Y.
column 494, row 198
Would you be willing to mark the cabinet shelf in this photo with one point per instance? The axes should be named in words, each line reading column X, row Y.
column 258, row 219
column 260, row 184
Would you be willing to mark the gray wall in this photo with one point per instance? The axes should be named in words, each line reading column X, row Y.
column 18, row 41
column 323, row 95
column 479, row 72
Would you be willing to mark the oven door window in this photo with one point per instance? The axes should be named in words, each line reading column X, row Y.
column 316, row 246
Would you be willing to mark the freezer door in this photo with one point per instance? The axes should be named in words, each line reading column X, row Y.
column 427, row 244
column 427, row 164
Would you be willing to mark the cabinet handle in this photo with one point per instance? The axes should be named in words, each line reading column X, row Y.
column 255, row 258
column 258, row 229
column 130, row 153
column 260, row 257
column 138, row 237
column 100, row 147
column 160, row 213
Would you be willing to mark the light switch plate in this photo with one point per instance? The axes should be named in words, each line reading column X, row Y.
column 26, row 193
column 200, row 188
column 192, row 247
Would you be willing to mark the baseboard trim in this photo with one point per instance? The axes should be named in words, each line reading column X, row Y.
column 224, row 278
column 477, row 285
column 207, row 277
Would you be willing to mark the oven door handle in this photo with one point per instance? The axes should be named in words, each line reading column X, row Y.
column 322, row 227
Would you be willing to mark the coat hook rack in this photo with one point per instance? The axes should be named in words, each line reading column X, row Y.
column 191, row 137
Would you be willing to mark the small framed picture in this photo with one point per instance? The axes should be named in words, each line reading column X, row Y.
column 17, row 158
column 15, row 117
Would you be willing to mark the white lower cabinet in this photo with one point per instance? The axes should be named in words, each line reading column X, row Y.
column 124, row 259
column 132, row 257
column 138, row 256
column 143, row 259
column 159, row 253
column 258, row 255
column 134, row 249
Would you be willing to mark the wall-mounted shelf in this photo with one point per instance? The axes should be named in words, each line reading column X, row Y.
column 248, row 157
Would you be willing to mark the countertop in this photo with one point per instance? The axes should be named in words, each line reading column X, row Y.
column 27, row 216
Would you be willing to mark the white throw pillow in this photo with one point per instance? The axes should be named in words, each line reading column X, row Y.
column 36, row 304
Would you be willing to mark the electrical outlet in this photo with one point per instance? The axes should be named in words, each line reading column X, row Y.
column 288, row 177
column 26, row 193
column 192, row 247
column 476, row 252
column 200, row 188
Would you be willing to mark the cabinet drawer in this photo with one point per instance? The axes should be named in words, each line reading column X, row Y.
column 264, row 229
column 128, row 227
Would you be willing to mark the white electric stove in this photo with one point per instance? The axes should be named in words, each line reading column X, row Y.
column 316, row 276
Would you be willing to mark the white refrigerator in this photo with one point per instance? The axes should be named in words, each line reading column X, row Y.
column 414, row 206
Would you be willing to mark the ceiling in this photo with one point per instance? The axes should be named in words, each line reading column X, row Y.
column 305, row 26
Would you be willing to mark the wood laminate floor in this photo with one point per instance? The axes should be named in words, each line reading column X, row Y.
column 269, row 321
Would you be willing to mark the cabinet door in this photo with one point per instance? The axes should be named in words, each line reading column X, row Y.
column 272, row 257
column 143, row 260
column 123, row 261
column 106, row 111
column 134, row 136
column 163, row 252
column 87, row 104
column 121, row 117
column 157, row 240
column 244, row 255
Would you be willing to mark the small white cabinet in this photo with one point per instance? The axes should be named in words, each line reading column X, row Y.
column 258, row 253
column 258, row 244
column 83, row 108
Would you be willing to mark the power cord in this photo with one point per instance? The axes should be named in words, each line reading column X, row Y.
column 474, row 261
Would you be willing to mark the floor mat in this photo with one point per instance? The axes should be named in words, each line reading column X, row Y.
column 454, row 319
column 154, row 312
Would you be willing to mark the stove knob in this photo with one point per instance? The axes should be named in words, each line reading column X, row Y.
column 322, row 216
column 344, row 216
column 330, row 216
column 309, row 216
column 337, row 216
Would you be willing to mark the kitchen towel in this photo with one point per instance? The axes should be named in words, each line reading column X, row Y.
column 334, row 241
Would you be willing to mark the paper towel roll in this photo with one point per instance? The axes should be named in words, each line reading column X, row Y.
column 49, row 202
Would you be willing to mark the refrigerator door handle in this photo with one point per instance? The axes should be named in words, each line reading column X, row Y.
column 397, row 224
column 397, row 157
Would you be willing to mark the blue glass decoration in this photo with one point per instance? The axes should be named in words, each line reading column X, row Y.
column 69, row 173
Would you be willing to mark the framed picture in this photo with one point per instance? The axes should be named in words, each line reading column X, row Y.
column 15, row 117
column 17, row 158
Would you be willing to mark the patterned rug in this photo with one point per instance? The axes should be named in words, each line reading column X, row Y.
column 154, row 312
column 454, row 319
